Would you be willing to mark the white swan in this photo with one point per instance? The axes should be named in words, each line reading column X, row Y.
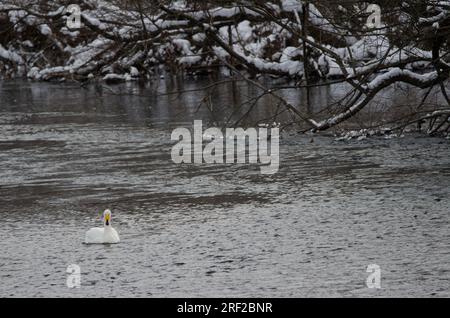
column 103, row 235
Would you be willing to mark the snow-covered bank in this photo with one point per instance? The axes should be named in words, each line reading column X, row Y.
column 290, row 39
column 122, row 43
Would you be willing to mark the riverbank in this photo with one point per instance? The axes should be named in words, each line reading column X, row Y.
column 120, row 42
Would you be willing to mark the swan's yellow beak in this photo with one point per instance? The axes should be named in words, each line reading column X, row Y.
column 107, row 218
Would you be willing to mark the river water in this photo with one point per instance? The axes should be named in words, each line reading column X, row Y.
column 335, row 207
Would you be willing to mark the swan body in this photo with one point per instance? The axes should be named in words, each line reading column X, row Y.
column 103, row 235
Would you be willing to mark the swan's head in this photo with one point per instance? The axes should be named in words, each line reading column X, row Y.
column 107, row 217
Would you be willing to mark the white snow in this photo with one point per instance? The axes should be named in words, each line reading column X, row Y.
column 134, row 71
column 114, row 77
column 94, row 21
column 245, row 31
column 45, row 29
column 189, row 57
column 394, row 72
column 199, row 37
column 290, row 53
column 262, row 44
column 291, row 5
column 10, row 55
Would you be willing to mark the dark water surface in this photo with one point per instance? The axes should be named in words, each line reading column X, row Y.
column 312, row 229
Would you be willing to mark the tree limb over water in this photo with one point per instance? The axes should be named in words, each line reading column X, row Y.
column 309, row 42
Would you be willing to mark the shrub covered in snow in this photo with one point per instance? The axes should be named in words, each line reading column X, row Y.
column 117, row 36
column 124, row 40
